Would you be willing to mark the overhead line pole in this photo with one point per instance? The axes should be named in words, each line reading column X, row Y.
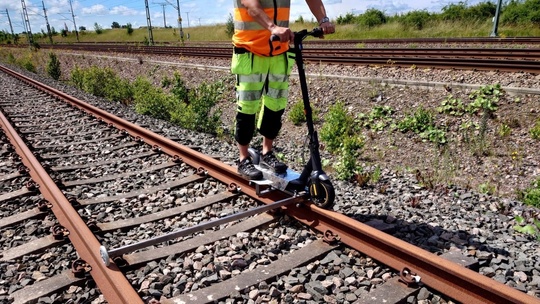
column 27, row 24
column 47, row 21
column 177, row 7
column 10, row 25
column 149, row 24
column 496, row 20
column 74, row 24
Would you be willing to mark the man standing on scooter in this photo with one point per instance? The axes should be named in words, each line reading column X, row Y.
column 262, row 68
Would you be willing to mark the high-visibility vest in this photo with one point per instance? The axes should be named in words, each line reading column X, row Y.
column 250, row 35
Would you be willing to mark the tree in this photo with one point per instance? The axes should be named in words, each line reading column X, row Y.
column 129, row 28
column 229, row 28
column 98, row 28
column 82, row 28
column 53, row 67
column 115, row 25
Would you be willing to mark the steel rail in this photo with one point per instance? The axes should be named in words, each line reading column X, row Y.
column 524, row 60
column 202, row 162
column 111, row 281
column 451, row 279
column 533, row 53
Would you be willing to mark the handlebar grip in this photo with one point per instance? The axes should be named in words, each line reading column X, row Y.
column 317, row 32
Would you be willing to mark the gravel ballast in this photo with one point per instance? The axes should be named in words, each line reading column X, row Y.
column 451, row 215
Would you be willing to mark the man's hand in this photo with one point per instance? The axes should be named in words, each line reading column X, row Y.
column 327, row 27
column 285, row 34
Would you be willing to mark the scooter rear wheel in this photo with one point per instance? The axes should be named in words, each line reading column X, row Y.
column 322, row 195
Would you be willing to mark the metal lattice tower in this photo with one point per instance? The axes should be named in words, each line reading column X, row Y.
column 47, row 21
column 74, row 24
column 27, row 24
column 10, row 25
column 149, row 23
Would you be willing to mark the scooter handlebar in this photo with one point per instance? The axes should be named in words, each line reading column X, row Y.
column 316, row 32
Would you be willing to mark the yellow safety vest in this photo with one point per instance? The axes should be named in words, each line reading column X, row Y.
column 250, row 35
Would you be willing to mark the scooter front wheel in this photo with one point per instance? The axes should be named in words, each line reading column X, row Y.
column 323, row 195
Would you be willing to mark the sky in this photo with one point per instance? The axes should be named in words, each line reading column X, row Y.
column 193, row 12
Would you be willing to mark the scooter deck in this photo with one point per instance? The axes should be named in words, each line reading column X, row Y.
column 277, row 181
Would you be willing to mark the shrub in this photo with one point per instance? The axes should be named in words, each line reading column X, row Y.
column 416, row 19
column 26, row 63
column 531, row 195
column 422, row 123
column 53, row 67
column 346, row 166
column 341, row 138
column 229, row 26
column 297, row 115
column 371, row 18
column 377, row 119
column 337, row 126
column 129, row 29
column 77, row 77
column 151, row 101
column 535, row 131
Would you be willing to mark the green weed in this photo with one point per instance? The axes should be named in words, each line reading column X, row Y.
column 531, row 195
column 53, row 67
column 422, row 123
column 535, row 131
column 341, row 137
column 530, row 229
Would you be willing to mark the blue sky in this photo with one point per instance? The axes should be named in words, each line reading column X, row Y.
column 193, row 12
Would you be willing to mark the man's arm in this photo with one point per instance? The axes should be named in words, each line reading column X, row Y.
column 318, row 10
column 256, row 11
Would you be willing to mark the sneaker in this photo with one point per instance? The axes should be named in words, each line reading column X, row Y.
column 269, row 161
column 247, row 169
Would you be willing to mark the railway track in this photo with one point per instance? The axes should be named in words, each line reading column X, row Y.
column 498, row 59
column 77, row 178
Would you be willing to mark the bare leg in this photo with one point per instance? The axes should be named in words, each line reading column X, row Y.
column 243, row 151
column 267, row 145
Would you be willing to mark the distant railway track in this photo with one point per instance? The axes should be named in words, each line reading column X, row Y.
column 72, row 147
column 512, row 59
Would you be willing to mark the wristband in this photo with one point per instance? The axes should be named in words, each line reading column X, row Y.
column 324, row 20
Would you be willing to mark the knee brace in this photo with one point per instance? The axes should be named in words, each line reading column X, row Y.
column 245, row 127
column 270, row 123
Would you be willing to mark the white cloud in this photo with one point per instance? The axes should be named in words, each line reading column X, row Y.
column 97, row 9
column 124, row 11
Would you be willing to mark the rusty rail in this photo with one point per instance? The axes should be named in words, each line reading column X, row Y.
column 112, row 283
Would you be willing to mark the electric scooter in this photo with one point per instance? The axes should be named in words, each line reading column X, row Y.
column 313, row 180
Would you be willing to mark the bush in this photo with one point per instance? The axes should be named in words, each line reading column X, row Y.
column 371, row 18
column 341, row 138
column 338, row 125
column 102, row 83
column 229, row 26
column 416, row 19
column 151, row 101
column 53, row 67
column 531, row 195
column 422, row 123
column 535, row 131
column 296, row 113
column 198, row 112
column 129, row 29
